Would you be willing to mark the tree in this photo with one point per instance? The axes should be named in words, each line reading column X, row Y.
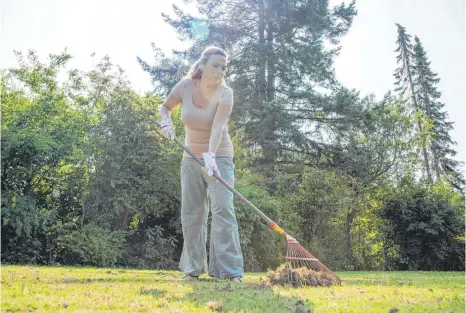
column 42, row 159
column 425, row 226
column 279, row 64
column 439, row 140
column 84, row 177
column 404, row 76
column 133, row 175
column 374, row 152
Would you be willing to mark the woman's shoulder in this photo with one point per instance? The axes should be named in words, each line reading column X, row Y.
column 225, row 89
column 182, row 84
column 188, row 80
column 185, row 81
column 226, row 94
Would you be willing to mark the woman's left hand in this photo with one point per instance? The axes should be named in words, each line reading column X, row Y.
column 210, row 164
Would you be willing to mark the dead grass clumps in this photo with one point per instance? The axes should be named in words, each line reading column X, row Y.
column 285, row 275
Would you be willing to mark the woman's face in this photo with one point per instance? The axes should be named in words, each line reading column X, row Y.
column 215, row 68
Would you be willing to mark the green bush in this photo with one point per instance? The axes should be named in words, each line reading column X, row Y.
column 92, row 245
column 426, row 227
column 262, row 247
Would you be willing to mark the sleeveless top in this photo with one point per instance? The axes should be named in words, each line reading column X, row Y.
column 198, row 121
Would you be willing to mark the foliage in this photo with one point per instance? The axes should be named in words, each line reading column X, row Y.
column 77, row 153
column 157, row 251
column 405, row 82
column 438, row 137
column 91, row 245
column 262, row 247
column 426, row 225
column 41, row 136
column 416, row 80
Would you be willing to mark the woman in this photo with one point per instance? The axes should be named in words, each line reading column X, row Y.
column 206, row 106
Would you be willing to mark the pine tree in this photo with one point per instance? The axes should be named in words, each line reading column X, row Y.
column 278, row 66
column 404, row 76
column 439, row 139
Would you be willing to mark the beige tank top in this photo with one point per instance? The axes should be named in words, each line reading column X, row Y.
column 198, row 121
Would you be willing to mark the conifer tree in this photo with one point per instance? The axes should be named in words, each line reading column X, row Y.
column 439, row 140
column 404, row 76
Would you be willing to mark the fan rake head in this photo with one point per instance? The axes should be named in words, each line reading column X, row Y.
column 302, row 268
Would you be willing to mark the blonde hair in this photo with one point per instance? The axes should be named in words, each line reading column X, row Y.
column 195, row 72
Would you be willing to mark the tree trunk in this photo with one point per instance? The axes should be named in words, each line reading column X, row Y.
column 270, row 53
column 438, row 174
column 349, row 221
column 262, row 58
column 419, row 124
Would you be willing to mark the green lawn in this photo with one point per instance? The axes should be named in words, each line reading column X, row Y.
column 77, row 289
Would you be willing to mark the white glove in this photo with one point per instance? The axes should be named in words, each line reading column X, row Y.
column 210, row 165
column 166, row 126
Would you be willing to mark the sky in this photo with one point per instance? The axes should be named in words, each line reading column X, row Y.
column 125, row 29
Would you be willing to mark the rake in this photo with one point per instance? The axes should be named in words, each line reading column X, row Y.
column 296, row 255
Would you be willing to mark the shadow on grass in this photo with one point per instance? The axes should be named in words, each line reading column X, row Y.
column 407, row 279
column 209, row 294
column 153, row 292
column 151, row 278
column 147, row 280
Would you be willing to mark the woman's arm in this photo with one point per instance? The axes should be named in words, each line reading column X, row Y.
column 220, row 121
column 221, row 118
column 172, row 101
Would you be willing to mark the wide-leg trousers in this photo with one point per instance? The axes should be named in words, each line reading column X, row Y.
column 197, row 188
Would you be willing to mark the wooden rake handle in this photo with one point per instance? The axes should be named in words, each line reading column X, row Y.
column 264, row 217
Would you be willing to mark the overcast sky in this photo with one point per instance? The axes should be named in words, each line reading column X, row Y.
column 125, row 29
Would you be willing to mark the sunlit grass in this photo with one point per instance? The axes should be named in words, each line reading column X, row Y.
column 78, row 289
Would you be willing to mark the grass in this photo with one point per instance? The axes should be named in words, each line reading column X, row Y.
column 80, row 289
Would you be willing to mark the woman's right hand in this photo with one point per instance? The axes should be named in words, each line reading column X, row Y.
column 166, row 126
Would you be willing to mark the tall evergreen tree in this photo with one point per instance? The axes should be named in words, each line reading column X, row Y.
column 279, row 66
column 404, row 76
column 440, row 142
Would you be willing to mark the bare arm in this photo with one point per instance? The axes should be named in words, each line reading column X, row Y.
column 220, row 121
column 172, row 101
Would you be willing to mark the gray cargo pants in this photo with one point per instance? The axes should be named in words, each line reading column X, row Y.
column 225, row 255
